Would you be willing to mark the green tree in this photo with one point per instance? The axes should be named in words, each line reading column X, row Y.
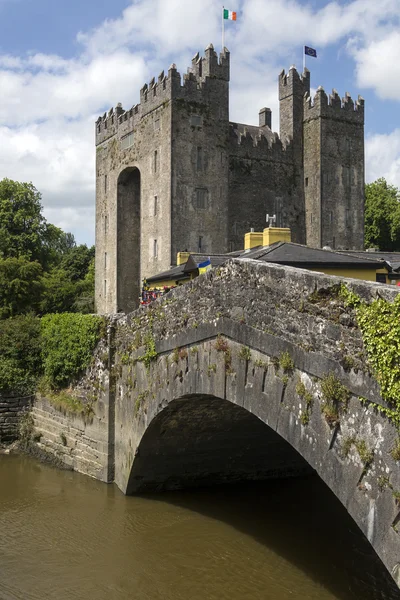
column 20, row 286
column 20, row 351
column 22, row 225
column 382, row 216
column 59, row 292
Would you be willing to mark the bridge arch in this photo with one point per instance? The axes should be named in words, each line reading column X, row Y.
column 173, row 417
column 128, row 239
column 202, row 440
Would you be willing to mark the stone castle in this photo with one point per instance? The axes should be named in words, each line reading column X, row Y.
column 174, row 174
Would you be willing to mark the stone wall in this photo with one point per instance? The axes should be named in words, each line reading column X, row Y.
column 11, row 411
column 78, row 442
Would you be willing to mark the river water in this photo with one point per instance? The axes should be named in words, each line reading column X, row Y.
column 64, row 536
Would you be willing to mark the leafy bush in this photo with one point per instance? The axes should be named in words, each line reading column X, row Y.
column 20, row 354
column 68, row 341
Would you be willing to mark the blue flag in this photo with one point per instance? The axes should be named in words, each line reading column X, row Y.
column 204, row 266
column 310, row 51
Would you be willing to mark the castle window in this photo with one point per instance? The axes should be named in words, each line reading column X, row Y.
column 105, row 225
column 112, row 120
column 200, row 242
column 155, row 205
column 98, row 128
column 155, row 161
column 155, row 248
column 196, row 121
column 199, row 159
column 105, row 288
column 105, row 183
column 127, row 141
column 201, row 198
column 306, row 182
column 105, row 260
column 346, row 176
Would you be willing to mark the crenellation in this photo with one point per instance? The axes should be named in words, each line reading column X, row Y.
column 260, row 144
column 333, row 106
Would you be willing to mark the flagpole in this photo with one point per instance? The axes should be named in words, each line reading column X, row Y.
column 223, row 29
column 304, row 59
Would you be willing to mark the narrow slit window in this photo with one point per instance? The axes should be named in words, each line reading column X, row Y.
column 105, row 288
column 105, row 183
column 155, row 205
column 105, row 225
column 200, row 243
column 155, row 249
column 105, row 260
column 306, row 182
column 155, row 161
column 201, row 198
column 199, row 159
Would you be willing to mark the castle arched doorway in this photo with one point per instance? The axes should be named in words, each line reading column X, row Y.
column 128, row 239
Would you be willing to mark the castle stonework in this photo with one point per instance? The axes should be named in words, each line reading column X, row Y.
column 174, row 174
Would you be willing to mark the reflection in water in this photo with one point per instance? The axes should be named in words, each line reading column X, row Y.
column 64, row 536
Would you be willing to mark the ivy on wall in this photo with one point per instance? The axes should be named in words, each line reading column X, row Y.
column 379, row 323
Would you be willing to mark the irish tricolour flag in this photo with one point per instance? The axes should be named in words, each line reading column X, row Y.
column 229, row 14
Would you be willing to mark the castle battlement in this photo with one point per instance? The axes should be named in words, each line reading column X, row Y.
column 293, row 82
column 259, row 143
column 334, row 107
column 196, row 84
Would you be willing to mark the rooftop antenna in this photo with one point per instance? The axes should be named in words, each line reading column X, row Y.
column 271, row 220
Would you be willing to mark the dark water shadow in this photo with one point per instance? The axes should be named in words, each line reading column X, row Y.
column 304, row 523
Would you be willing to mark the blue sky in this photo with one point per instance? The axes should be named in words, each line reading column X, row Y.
column 62, row 64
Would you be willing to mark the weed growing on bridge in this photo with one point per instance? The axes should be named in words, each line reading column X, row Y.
column 212, row 368
column 285, row 362
column 194, row 350
column 142, row 397
column 307, row 396
column 150, row 353
column 335, row 398
column 245, row 353
column 383, row 482
column 366, row 455
column 395, row 453
column 396, row 496
column 175, row 355
column 221, row 344
column 262, row 364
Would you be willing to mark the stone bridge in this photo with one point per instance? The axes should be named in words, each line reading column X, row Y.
column 249, row 372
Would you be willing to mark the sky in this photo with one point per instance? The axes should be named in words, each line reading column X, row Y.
column 62, row 64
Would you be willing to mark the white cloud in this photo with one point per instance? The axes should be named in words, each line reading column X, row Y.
column 383, row 157
column 48, row 104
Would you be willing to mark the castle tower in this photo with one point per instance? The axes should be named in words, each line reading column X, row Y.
column 334, row 171
column 161, row 178
column 292, row 87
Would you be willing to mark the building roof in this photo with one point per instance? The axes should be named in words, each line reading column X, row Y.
column 175, row 273
column 283, row 253
column 392, row 258
column 297, row 255
column 195, row 259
